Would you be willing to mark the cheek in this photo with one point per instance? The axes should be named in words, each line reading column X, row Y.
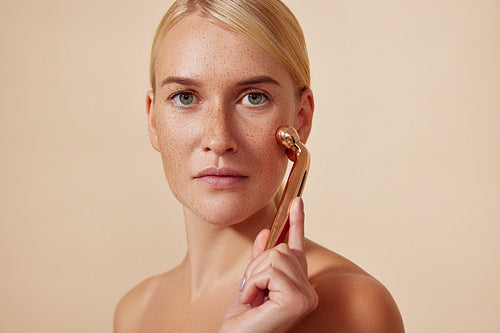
column 174, row 143
column 265, row 154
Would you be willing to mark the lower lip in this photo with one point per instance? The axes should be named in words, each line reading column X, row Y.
column 221, row 182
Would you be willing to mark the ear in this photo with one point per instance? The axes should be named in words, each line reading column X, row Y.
column 303, row 119
column 153, row 136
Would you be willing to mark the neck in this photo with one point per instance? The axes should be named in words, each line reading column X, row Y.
column 217, row 255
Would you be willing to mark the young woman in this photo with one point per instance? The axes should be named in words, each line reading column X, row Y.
column 224, row 75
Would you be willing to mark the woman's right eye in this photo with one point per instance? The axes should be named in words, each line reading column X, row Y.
column 183, row 98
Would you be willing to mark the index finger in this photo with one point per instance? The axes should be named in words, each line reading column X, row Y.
column 296, row 240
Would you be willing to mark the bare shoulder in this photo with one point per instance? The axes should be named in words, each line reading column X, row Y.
column 350, row 300
column 134, row 309
column 133, row 305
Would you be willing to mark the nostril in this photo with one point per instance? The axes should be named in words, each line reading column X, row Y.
column 221, row 145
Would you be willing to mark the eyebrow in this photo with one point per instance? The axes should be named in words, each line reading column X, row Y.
column 179, row 80
column 258, row 79
column 190, row 82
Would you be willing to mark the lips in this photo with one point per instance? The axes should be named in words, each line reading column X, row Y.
column 220, row 178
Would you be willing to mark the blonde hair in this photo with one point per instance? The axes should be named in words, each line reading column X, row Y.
column 268, row 23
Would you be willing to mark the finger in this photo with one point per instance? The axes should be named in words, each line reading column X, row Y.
column 296, row 240
column 259, row 245
column 270, row 279
column 282, row 258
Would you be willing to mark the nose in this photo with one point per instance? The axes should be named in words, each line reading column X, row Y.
column 218, row 131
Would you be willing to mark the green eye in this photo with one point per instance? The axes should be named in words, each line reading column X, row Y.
column 254, row 98
column 185, row 98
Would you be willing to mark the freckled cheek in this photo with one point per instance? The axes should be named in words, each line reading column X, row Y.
column 174, row 142
column 277, row 163
column 264, row 153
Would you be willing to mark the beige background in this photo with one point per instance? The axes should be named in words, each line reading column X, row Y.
column 405, row 179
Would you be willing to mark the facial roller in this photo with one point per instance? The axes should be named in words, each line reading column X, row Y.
column 296, row 151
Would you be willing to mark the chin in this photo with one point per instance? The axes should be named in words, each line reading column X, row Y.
column 228, row 211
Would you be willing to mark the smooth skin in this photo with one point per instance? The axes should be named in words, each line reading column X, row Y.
column 217, row 101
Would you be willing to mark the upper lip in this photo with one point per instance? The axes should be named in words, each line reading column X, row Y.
column 221, row 172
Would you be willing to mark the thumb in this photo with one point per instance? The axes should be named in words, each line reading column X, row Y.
column 259, row 245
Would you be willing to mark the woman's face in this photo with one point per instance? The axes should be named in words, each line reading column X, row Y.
column 218, row 101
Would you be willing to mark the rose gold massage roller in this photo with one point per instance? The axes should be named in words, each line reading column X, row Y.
column 296, row 151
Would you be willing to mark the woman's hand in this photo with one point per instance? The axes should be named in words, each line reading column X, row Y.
column 275, row 292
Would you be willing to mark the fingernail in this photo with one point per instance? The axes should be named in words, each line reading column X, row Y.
column 242, row 282
column 301, row 204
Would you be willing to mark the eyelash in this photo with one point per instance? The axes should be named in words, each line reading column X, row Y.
column 246, row 94
column 257, row 92
column 178, row 94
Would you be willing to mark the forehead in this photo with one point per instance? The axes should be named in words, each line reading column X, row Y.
column 198, row 48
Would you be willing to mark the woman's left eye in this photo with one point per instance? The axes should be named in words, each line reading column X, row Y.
column 254, row 98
